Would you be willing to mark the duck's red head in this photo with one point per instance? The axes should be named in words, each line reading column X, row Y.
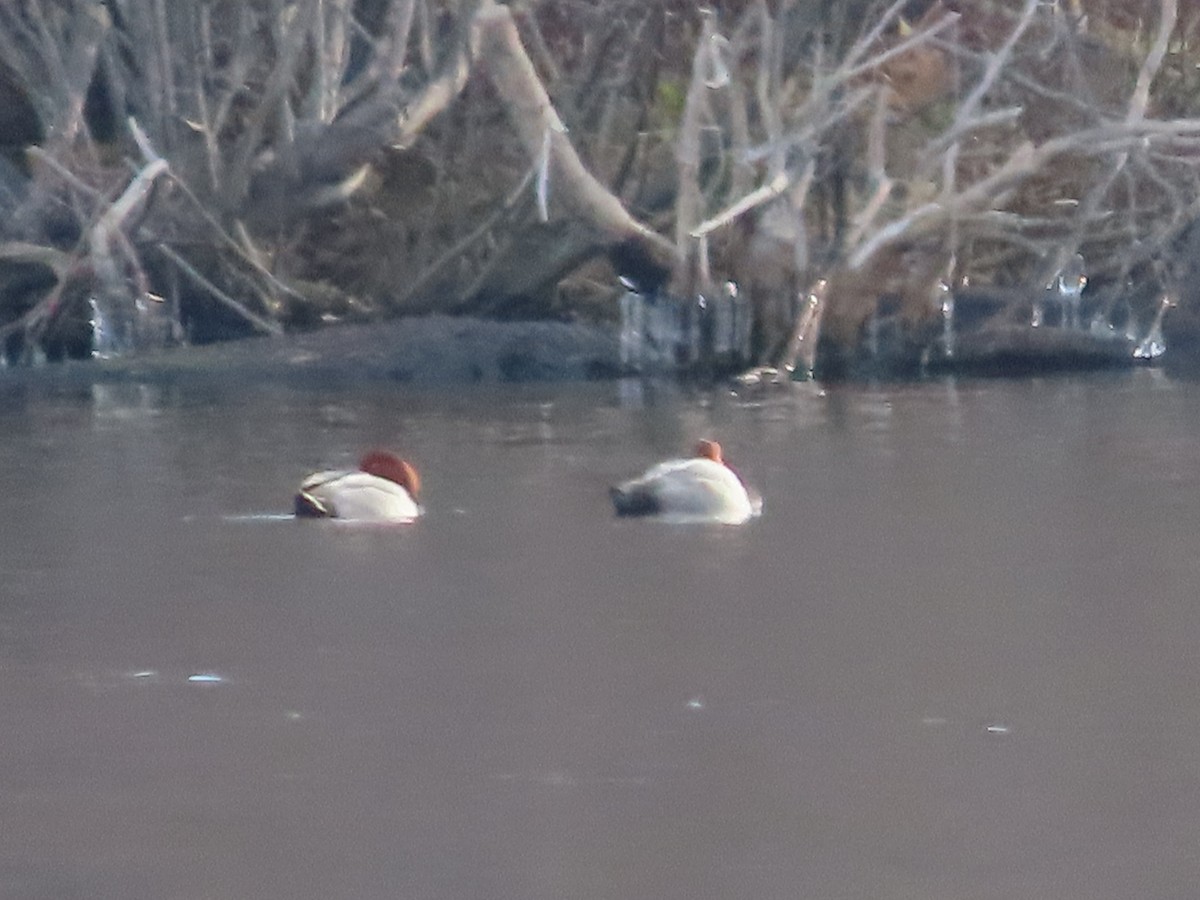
column 384, row 464
column 707, row 449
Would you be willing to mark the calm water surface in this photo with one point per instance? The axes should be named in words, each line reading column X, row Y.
column 958, row 657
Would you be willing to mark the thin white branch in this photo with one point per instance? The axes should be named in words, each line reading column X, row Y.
column 995, row 64
column 1168, row 12
column 767, row 192
column 866, row 217
column 866, row 41
column 909, row 43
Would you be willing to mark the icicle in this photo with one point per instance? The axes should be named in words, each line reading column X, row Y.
column 1153, row 345
column 724, row 323
column 948, row 317
column 689, row 314
column 716, row 70
column 1070, row 282
column 742, row 321
column 632, row 329
column 122, row 325
column 1100, row 326
column 112, row 325
column 873, row 332
column 661, row 332
column 543, row 179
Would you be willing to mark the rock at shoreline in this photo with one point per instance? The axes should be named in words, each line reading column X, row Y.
column 1017, row 350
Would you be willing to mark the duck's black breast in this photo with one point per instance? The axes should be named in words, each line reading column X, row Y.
column 309, row 507
column 634, row 500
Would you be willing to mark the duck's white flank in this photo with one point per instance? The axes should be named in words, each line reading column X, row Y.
column 702, row 488
column 383, row 489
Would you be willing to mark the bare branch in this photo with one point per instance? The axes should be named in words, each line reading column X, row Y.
column 764, row 194
column 264, row 325
column 1167, row 15
column 995, row 65
column 533, row 117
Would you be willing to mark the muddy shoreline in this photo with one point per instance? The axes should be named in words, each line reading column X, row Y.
column 434, row 349
column 446, row 350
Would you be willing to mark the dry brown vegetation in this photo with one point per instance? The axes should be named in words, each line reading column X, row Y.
column 214, row 167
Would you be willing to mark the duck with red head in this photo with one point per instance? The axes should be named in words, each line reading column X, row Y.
column 384, row 488
column 701, row 488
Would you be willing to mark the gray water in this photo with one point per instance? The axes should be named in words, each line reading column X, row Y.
column 956, row 658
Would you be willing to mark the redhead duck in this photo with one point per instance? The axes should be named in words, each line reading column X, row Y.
column 702, row 488
column 384, row 488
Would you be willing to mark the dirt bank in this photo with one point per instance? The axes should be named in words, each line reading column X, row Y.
column 426, row 349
